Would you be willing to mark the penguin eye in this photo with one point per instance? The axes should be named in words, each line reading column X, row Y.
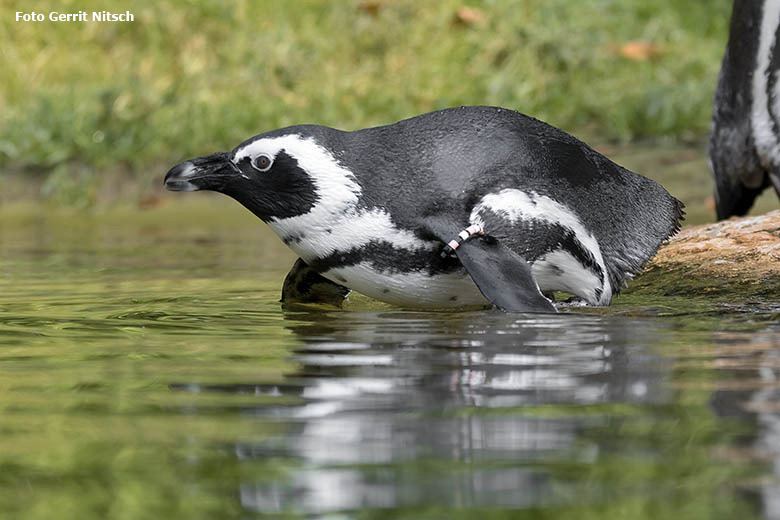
column 262, row 163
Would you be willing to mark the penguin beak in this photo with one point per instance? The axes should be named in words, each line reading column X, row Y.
column 204, row 173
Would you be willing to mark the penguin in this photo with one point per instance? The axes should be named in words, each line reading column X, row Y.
column 744, row 145
column 461, row 207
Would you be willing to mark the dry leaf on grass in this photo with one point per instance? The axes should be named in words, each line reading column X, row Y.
column 468, row 16
column 637, row 50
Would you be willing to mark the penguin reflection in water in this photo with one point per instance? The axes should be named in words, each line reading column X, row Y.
column 458, row 207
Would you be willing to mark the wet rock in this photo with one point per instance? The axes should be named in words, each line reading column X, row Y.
column 735, row 260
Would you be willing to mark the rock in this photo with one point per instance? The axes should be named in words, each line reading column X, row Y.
column 736, row 261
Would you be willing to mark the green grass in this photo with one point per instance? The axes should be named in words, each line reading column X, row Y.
column 189, row 78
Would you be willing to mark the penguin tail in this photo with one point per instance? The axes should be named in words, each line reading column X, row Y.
column 738, row 174
column 734, row 201
column 679, row 217
column 673, row 227
column 659, row 225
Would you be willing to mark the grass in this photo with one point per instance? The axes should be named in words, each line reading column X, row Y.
column 188, row 78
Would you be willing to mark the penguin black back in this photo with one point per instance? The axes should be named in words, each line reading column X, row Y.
column 452, row 157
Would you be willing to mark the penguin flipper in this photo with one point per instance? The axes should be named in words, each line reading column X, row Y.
column 502, row 276
column 305, row 285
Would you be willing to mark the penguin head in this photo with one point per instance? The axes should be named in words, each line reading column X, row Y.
column 276, row 175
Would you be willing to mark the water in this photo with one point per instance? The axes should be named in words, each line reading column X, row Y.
column 148, row 371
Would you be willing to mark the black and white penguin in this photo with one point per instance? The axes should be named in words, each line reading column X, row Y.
column 744, row 148
column 446, row 209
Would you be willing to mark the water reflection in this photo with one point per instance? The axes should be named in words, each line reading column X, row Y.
column 147, row 376
column 753, row 362
column 458, row 414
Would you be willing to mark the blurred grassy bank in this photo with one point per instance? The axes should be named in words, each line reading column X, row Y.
column 84, row 101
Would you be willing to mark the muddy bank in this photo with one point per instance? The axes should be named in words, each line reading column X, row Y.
column 733, row 262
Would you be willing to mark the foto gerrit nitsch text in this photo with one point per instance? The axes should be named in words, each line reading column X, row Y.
column 81, row 16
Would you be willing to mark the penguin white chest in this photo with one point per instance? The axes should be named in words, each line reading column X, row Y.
column 410, row 288
column 766, row 102
column 357, row 247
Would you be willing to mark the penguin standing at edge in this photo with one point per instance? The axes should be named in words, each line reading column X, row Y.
column 744, row 147
column 454, row 208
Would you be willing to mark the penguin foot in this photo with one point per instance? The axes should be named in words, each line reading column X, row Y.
column 305, row 285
